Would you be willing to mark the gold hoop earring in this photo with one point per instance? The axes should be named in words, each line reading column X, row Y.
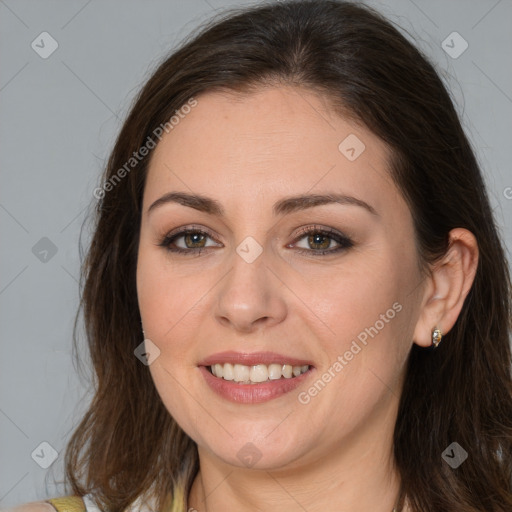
column 436, row 337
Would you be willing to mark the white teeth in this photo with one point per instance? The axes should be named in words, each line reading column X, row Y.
column 259, row 373
column 256, row 373
column 218, row 370
column 274, row 371
column 241, row 372
column 228, row 372
column 286, row 370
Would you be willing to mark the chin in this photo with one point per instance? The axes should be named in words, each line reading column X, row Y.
column 262, row 447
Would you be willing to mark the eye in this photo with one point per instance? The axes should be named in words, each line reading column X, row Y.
column 186, row 241
column 320, row 241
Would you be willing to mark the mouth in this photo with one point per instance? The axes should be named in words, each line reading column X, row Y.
column 251, row 378
column 256, row 374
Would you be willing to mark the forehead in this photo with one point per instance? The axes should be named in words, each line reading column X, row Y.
column 269, row 143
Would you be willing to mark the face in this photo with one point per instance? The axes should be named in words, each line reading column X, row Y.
column 313, row 299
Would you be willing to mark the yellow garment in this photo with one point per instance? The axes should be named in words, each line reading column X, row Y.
column 76, row 504
column 68, row 504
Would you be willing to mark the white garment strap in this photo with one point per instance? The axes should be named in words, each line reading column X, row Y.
column 90, row 506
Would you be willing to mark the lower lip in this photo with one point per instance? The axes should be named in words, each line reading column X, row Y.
column 252, row 393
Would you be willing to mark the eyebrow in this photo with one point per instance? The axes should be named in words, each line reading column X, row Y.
column 281, row 207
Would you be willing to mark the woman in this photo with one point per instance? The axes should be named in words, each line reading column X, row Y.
column 294, row 222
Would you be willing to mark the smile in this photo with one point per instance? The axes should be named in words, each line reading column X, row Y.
column 256, row 374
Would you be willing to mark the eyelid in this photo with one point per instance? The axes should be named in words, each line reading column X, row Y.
column 190, row 228
column 319, row 228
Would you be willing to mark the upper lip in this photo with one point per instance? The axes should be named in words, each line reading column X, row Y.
column 252, row 359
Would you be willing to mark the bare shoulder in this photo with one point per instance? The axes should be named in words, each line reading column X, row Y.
column 34, row 506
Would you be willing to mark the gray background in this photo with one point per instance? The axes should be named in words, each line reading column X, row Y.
column 59, row 118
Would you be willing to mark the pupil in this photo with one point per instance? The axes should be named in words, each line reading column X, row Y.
column 313, row 239
column 193, row 238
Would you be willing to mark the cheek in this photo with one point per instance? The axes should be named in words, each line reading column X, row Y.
column 364, row 321
column 175, row 390
column 166, row 302
column 166, row 298
column 364, row 353
column 354, row 297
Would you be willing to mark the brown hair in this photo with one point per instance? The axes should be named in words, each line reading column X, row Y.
column 127, row 443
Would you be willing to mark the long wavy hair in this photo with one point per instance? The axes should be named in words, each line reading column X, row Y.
column 127, row 444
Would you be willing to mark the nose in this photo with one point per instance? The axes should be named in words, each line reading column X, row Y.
column 250, row 296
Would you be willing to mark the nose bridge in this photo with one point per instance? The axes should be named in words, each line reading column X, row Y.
column 250, row 294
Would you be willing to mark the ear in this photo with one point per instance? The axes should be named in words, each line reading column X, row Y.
column 448, row 285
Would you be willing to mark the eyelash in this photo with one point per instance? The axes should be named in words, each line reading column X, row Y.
column 343, row 241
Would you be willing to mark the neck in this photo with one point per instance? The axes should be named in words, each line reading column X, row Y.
column 357, row 475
